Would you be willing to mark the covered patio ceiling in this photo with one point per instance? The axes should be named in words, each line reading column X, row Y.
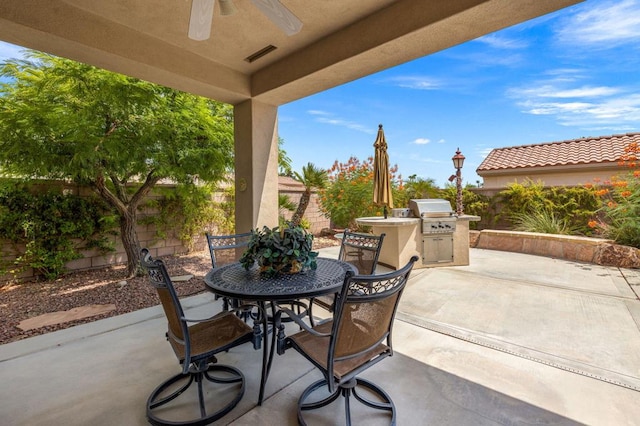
column 340, row 40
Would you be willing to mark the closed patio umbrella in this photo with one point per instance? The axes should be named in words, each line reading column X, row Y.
column 381, row 178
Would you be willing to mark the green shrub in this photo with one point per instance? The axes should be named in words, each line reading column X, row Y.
column 523, row 198
column 473, row 204
column 542, row 221
column 619, row 217
column 53, row 227
column 187, row 211
column 533, row 202
column 349, row 194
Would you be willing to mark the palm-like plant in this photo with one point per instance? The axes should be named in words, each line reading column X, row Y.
column 312, row 178
column 417, row 187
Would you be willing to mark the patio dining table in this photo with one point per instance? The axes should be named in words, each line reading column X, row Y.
column 236, row 282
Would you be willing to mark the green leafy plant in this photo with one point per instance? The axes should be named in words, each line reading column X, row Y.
column 311, row 177
column 530, row 200
column 349, row 194
column 120, row 136
column 284, row 249
column 188, row 210
column 619, row 216
column 473, row 204
column 542, row 221
column 48, row 229
column 522, row 198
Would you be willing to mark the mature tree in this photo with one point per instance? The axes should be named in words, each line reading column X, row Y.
column 60, row 119
column 312, row 178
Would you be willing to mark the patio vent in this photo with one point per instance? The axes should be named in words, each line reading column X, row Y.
column 260, row 53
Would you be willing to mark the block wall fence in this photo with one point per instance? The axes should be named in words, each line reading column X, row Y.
column 170, row 245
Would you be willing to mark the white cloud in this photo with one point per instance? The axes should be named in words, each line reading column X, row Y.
column 581, row 105
column 441, row 141
column 318, row 112
column 421, row 141
column 417, row 82
column 613, row 113
column 605, row 24
column 483, row 152
column 327, row 118
column 501, row 42
column 553, row 91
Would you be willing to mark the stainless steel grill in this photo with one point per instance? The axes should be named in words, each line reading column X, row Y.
column 436, row 214
column 438, row 226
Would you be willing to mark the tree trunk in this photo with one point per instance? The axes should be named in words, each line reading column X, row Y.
column 130, row 242
column 128, row 217
column 302, row 207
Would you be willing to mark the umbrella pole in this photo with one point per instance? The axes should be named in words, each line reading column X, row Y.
column 384, row 210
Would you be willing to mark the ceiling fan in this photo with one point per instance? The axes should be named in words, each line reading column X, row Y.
column 202, row 16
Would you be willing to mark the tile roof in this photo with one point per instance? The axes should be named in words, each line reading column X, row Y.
column 590, row 150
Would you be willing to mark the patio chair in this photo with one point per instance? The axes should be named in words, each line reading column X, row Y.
column 357, row 338
column 223, row 248
column 360, row 250
column 196, row 343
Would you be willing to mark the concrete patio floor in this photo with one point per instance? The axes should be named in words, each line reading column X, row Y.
column 509, row 339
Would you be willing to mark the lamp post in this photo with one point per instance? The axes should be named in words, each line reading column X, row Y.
column 458, row 161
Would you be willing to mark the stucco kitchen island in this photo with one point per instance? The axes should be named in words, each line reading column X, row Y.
column 404, row 238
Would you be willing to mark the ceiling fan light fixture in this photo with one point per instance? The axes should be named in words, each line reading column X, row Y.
column 227, row 7
column 200, row 20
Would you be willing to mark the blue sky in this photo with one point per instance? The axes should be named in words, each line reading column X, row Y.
column 566, row 75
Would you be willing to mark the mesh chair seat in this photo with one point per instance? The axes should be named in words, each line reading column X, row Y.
column 225, row 330
column 317, row 348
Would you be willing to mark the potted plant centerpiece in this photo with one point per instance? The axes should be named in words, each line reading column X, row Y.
column 284, row 249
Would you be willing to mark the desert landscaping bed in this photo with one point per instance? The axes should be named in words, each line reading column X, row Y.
column 104, row 288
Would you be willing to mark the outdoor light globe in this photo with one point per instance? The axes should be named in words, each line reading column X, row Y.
column 458, row 160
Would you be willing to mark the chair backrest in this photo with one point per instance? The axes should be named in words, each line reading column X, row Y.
column 364, row 312
column 361, row 250
column 159, row 278
column 223, row 247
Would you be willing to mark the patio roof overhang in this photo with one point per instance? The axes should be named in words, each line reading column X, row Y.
column 340, row 41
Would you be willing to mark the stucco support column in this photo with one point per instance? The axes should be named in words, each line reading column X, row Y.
column 256, row 164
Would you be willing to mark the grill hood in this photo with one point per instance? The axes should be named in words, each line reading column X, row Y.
column 430, row 207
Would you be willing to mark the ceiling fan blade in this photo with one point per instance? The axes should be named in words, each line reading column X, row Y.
column 227, row 8
column 279, row 15
column 200, row 20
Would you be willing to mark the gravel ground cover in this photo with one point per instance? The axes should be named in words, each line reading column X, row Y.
column 98, row 287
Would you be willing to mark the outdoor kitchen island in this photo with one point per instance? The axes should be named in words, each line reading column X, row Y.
column 438, row 241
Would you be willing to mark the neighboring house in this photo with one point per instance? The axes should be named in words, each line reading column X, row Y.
column 566, row 163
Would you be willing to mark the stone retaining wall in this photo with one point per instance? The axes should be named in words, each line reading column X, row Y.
column 581, row 249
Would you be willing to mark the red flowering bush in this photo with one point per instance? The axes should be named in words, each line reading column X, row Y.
column 349, row 194
column 619, row 217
